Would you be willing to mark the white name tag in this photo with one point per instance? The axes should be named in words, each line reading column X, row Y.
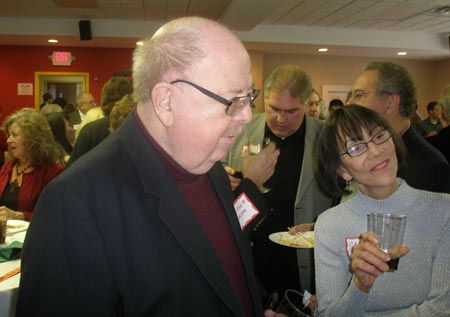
column 245, row 210
column 350, row 242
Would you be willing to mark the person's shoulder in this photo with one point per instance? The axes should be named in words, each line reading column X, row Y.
column 96, row 124
column 89, row 127
column 94, row 113
column 8, row 166
column 97, row 161
column 419, row 148
column 331, row 215
column 430, row 197
column 313, row 125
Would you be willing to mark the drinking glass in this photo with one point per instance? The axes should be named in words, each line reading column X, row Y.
column 255, row 145
column 293, row 304
column 390, row 228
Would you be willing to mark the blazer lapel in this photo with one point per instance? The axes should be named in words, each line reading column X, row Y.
column 176, row 214
column 223, row 189
column 307, row 173
column 180, row 220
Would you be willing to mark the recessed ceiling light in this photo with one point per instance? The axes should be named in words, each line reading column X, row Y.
column 402, row 53
column 139, row 43
column 53, row 41
column 323, row 49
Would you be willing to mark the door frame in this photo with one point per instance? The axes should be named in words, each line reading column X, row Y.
column 58, row 77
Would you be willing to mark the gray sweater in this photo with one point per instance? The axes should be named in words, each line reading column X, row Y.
column 420, row 286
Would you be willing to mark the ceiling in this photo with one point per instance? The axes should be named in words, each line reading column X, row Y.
column 370, row 28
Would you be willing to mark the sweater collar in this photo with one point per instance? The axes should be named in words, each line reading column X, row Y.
column 399, row 200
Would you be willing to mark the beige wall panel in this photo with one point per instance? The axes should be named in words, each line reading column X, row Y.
column 430, row 76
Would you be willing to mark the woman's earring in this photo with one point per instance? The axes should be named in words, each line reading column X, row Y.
column 348, row 184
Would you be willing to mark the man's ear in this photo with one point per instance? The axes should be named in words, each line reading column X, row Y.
column 392, row 103
column 162, row 103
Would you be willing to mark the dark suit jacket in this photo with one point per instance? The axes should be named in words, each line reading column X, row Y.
column 113, row 236
column 90, row 136
column 426, row 167
column 441, row 141
column 74, row 117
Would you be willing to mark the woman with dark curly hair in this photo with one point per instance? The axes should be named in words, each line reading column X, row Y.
column 35, row 158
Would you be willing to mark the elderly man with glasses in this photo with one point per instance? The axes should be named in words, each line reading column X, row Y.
column 390, row 90
column 144, row 223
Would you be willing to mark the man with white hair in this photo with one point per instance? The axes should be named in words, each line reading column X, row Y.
column 143, row 224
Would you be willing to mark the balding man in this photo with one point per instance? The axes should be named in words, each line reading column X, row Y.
column 143, row 224
column 85, row 102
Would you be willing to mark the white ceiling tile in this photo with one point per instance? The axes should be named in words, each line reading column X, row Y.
column 407, row 16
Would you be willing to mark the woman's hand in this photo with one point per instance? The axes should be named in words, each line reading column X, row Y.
column 11, row 214
column 368, row 261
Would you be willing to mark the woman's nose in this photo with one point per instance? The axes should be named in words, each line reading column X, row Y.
column 373, row 149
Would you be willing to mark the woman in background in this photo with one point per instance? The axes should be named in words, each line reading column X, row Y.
column 34, row 163
column 59, row 126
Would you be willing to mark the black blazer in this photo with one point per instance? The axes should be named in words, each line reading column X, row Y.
column 441, row 141
column 113, row 236
column 426, row 168
column 89, row 137
column 74, row 117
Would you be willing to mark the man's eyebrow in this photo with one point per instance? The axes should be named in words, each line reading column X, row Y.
column 275, row 108
column 238, row 91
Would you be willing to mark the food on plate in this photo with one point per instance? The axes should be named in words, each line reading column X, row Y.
column 304, row 240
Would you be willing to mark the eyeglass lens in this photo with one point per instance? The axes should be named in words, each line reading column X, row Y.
column 360, row 148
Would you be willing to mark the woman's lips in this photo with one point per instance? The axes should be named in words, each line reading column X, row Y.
column 380, row 166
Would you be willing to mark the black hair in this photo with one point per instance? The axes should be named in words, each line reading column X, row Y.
column 431, row 105
column 336, row 103
column 349, row 121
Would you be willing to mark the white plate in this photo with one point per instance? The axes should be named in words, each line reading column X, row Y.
column 294, row 241
column 14, row 226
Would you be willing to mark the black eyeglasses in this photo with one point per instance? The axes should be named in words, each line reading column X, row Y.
column 361, row 148
column 233, row 106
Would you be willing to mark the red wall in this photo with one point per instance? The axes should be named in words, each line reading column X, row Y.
column 18, row 64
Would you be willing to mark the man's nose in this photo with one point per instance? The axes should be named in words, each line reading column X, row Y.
column 245, row 115
column 281, row 115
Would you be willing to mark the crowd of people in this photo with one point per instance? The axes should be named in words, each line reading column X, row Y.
column 36, row 146
column 160, row 201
